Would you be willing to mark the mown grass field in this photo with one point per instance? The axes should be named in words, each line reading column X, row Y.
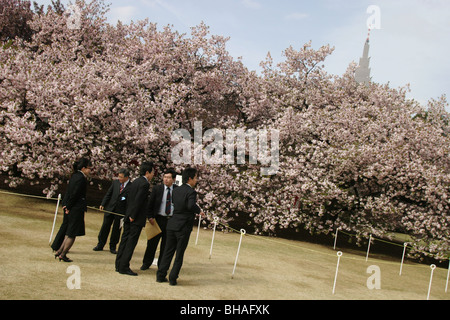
column 267, row 269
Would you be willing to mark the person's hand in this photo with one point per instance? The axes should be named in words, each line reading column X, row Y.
column 131, row 219
column 101, row 208
column 152, row 221
column 202, row 214
column 66, row 211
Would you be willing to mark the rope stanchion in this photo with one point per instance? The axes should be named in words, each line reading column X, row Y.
column 335, row 238
column 198, row 228
column 243, row 232
column 216, row 219
column 448, row 275
column 403, row 257
column 404, row 245
column 368, row 248
column 54, row 220
column 431, row 280
column 339, row 254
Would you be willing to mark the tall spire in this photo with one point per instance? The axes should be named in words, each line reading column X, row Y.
column 362, row 73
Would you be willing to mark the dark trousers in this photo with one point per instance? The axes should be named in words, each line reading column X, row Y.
column 177, row 241
column 108, row 220
column 130, row 238
column 152, row 244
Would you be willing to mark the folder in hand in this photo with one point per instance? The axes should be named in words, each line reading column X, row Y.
column 152, row 230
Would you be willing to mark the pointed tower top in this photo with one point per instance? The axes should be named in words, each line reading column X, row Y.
column 362, row 72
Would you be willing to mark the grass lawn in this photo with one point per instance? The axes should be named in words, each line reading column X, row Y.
column 267, row 269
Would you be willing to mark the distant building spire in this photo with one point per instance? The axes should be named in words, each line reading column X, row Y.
column 362, row 73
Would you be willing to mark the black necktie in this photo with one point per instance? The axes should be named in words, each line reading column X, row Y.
column 168, row 202
column 121, row 188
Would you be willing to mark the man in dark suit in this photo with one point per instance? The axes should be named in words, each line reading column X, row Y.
column 160, row 209
column 135, row 218
column 179, row 228
column 114, row 201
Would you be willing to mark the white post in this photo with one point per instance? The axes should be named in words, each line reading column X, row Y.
column 368, row 248
column 198, row 229
column 54, row 220
column 431, row 279
column 339, row 254
column 335, row 238
column 243, row 232
column 448, row 274
column 403, row 257
column 214, row 232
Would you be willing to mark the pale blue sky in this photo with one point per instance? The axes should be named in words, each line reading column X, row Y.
column 412, row 46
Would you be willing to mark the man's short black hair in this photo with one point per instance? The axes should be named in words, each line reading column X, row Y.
column 188, row 173
column 125, row 172
column 82, row 163
column 170, row 171
column 146, row 166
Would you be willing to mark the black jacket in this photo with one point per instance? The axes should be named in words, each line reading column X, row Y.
column 156, row 197
column 114, row 200
column 75, row 196
column 137, row 201
column 185, row 208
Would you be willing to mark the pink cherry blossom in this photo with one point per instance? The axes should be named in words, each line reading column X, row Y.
column 364, row 159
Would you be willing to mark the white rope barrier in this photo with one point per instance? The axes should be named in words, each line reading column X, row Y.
column 243, row 232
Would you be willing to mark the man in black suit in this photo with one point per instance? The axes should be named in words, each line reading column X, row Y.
column 179, row 228
column 135, row 218
column 114, row 201
column 160, row 209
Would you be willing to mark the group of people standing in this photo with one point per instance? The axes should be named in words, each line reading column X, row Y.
column 172, row 207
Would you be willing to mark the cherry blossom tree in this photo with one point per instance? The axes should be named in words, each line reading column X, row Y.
column 113, row 93
column 14, row 17
column 359, row 158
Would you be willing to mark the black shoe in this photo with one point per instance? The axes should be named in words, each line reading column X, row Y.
column 97, row 248
column 113, row 251
column 161, row 280
column 173, row 282
column 129, row 272
column 65, row 259
column 145, row 266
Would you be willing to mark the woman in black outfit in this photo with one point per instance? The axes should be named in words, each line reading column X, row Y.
column 74, row 206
